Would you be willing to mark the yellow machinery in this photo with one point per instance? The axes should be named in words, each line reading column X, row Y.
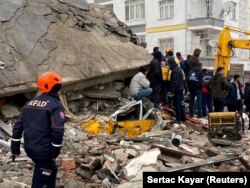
column 225, row 124
column 225, row 47
column 127, row 128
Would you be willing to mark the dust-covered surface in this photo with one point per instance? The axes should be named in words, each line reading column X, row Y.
column 84, row 43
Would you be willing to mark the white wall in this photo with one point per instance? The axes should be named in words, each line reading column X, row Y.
column 153, row 14
column 119, row 9
column 179, row 40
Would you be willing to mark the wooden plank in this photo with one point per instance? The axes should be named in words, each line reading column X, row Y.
column 210, row 161
column 245, row 163
column 188, row 118
column 174, row 152
column 222, row 142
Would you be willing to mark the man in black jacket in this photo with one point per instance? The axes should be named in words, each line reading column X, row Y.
column 42, row 123
column 177, row 78
column 155, row 78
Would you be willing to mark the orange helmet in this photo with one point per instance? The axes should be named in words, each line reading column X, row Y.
column 168, row 49
column 47, row 80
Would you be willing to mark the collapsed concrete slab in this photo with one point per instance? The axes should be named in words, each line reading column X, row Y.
column 86, row 44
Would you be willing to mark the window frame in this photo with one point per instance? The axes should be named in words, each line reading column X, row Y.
column 167, row 6
column 166, row 43
column 233, row 13
column 134, row 10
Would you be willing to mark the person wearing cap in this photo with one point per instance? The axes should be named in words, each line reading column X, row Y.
column 42, row 125
column 139, row 85
column 170, row 54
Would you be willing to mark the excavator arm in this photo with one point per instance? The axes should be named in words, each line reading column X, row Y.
column 225, row 47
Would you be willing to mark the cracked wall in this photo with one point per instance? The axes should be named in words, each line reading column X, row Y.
column 84, row 43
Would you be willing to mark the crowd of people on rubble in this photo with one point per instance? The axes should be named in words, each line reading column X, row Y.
column 169, row 78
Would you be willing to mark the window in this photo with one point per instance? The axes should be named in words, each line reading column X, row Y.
column 233, row 12
column 166, row 9
column 201, row 38
column 166, row 43
column 134, row 10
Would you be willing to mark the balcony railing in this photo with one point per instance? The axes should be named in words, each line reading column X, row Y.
column 205, row 9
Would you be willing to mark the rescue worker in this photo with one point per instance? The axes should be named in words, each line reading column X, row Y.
column 165, row 82
column 195, row 79
column 42, row 122
column 207, row 99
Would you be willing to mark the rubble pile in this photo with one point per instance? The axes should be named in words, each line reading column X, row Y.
column 85, row 44
column 118, row 161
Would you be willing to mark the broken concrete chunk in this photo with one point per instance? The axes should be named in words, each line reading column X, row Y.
column 212, row 152
column 74, row 134
column 1, row 176
column 109, row 156
column 85, row 174
column 149, row 168
column 9, row 111
column 102, row 92
column 73, row 184
column 221, row 142
column 186, row 159
column 8, row 184
column 131, row 152
column 147, row 158
column 6, row 127
column 8, row 9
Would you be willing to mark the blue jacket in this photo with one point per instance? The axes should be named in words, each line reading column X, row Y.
column 232, row 95
column 42, row 122
column 195, row 79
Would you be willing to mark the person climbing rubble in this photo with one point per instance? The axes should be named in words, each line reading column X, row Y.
column 42, row 122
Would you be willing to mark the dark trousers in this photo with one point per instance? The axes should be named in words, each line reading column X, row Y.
column 193, row 94
column 207, row 103
column 219, row 105
column 231, row 108
column 164, row 92
column 239, row 105
column 44, row 174
column 156, row 95
column 177, row 102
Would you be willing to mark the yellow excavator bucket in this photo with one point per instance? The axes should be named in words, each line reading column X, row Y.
column 129, row 128
column 93, row 127
column 133, row 128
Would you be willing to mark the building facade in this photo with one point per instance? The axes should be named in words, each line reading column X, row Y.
column 185, row 24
